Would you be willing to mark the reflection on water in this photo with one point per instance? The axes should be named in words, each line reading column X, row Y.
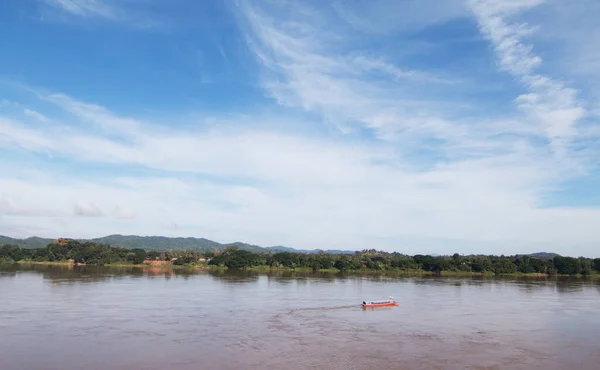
column 59, row 317
column 70, row 273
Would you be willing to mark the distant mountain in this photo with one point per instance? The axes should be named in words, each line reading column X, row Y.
column 159, row 243
column 543, row 255
column 307, row 251
column 245, row 246
column 29, row 243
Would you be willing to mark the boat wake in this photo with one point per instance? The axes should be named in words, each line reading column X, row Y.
column 324, row 308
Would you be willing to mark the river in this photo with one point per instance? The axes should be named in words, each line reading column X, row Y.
column 55, row 317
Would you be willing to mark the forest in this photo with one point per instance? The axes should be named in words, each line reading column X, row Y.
column 92, row 253
column 381, row 261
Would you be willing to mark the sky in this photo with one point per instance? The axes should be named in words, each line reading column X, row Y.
column 417, row 126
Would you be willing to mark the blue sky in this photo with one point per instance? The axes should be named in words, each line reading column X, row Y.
column 465, row 126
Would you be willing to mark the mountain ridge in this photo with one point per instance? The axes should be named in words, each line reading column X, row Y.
column 159, row 243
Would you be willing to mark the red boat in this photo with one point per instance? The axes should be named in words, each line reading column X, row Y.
column 385, row 303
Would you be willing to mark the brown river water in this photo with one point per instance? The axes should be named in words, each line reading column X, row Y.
column 53, row 317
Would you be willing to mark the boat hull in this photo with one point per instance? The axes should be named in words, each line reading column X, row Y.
column 372, row 305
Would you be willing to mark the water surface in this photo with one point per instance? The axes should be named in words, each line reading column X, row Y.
column 54, row 317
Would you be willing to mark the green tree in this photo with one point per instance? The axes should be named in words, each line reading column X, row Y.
column 153, row 255
column 481, row 264
column 567, row 265
column 342, row 263
column 403, row 262
column 504, row 265
column 4, row 252
column 286, row 259
column 57, row 252
column 586, row 266
column 427, row 263
column 15, row 253
column 136, row 256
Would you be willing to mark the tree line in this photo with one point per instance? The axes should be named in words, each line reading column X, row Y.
column 381, row 261
column 92, row 253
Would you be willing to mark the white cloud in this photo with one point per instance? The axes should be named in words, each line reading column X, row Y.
column 94, row 114
column 127, row 13
column 19, row 134
column 307, row 191
column 85, row 8
column 87, row 209
column 321, row 71
column 551, row 105
column 492, row 8
column 395, row 16
column 514, row 56
column 36, row 115
column 123, row 213
column 10, row 206
column 568, row 41
column 308, row 65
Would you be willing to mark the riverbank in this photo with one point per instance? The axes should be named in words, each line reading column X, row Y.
column 199, row 267
column 412, row 272
column 266, row 269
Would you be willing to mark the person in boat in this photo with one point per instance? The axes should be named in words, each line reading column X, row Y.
column 364, row 302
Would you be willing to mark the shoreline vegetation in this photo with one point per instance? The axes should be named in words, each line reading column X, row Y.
column 77, row 253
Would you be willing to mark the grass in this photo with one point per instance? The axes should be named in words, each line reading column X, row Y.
column 143, row 265
column 32, row 262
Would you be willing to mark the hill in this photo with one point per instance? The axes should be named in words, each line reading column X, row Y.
column 30, row 243
column 159, row 242
column 543, row 255
column 149, row 243
column 308, row 251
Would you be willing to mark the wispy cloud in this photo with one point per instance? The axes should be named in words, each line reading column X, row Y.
column 10, row 206
column 94, row 114
column 307, row 65
column 36, row 115
column 123, row 213
column 396, row 16
column 86, row 8
column 128, row 13
column 549, row 102
column 316, row 70
column 87, row 209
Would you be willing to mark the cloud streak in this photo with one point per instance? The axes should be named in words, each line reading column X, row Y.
column 38, row 116
column 127, row 13
column 86, row 8
column 357, row 90
column 87, row 210
column 549, row 102
column 318, row 71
